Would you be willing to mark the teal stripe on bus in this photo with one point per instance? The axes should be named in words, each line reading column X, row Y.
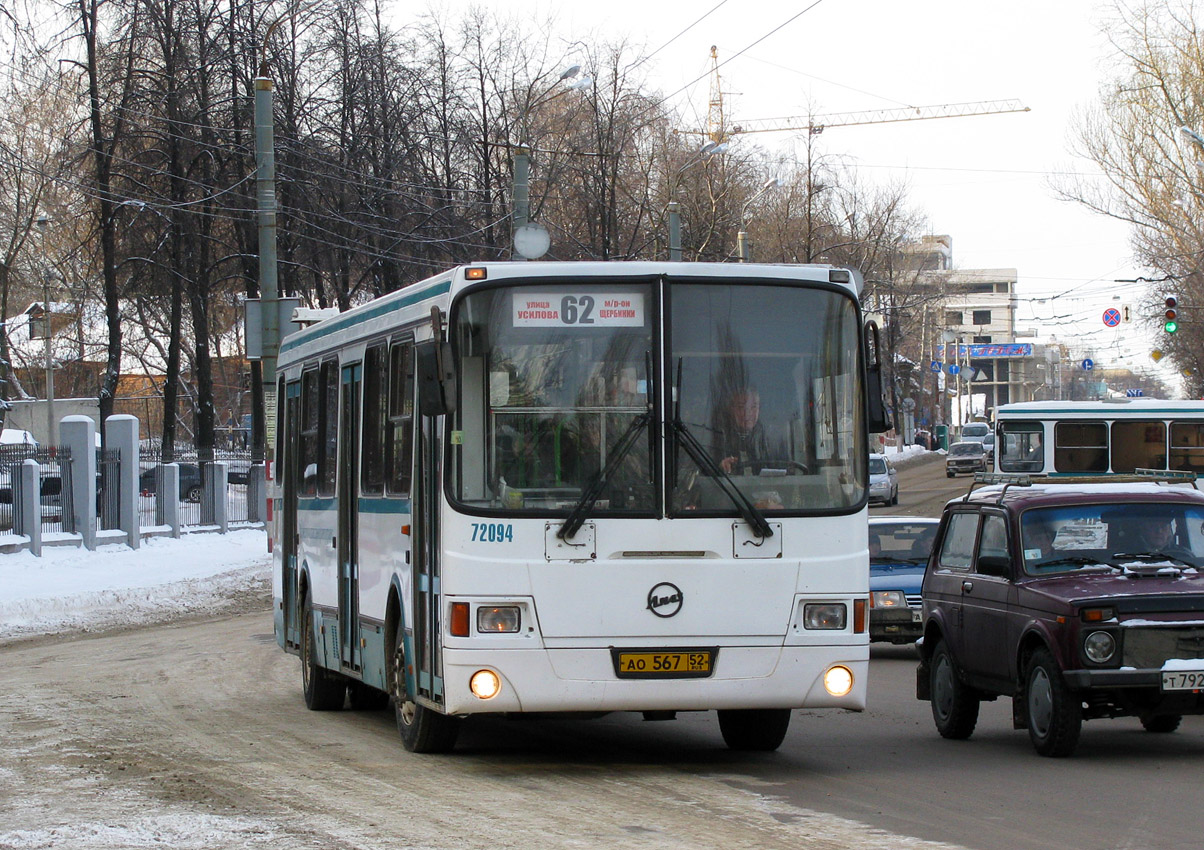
column 316, row 504
column 352, row 318
column 378, row 505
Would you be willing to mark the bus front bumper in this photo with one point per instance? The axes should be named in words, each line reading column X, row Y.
column 584, row 679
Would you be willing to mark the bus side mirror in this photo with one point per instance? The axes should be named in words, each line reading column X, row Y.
column 436, row 379
column 879, row 417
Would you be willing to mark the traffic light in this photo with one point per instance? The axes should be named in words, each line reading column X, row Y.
column 1171, row 315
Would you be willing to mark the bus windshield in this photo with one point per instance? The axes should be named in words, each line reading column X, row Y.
column 554, row 378
column 551, row 378
column 766, row 380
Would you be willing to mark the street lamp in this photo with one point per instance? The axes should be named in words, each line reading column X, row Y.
column 43, row 224
column 742, row 249
column 531, row 240
column 709, row 149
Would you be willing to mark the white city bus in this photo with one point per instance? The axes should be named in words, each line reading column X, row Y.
column 505, row 489
column 1099, row 437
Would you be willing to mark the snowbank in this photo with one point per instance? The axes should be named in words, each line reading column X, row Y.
column 74, row 590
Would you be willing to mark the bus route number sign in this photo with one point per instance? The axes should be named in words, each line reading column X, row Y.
column 578, row 309
column 693, row 663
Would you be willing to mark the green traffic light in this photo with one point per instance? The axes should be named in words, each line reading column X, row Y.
column 1171, row 326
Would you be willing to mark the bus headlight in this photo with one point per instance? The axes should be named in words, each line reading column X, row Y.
column 824, row 615
column 887, row 599
column 498, row 619
column 1099, row 647
column 838, row 680
column 485, row 684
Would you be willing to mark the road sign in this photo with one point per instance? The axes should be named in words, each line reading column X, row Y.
column 934, row 366
column 954, row 368
column 1134, row 393
column 1126, row 313
column 1112, row 317
column 1088, row 364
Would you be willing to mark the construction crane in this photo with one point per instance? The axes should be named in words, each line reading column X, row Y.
column 718, row 131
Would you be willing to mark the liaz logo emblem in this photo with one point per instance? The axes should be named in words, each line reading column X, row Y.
column 664, row 600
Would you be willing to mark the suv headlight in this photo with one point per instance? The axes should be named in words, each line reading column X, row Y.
column 1099, row 647
column 887, row 599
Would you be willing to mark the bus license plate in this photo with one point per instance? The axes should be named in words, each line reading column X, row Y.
column 664, row 664
column 1182, row 680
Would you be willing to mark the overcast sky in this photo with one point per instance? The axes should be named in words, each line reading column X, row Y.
column 985, row 181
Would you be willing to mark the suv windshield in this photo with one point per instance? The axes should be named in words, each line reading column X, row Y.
column 1122, row 536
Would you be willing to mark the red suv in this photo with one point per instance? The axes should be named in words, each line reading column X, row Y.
column 1077, row 601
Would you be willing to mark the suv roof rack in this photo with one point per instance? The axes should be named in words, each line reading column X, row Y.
column 1167, row 476
column 1004, row 478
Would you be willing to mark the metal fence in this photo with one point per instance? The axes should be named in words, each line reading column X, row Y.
column 198, row 490
column 108, row 494
column 55, row 504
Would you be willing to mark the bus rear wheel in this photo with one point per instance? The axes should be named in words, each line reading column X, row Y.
column 423, row 730
column 324, row 691
column 761, row 729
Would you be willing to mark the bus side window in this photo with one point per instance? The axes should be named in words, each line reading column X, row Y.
column 1081, row 447
column 1187, row 446
column 399, row 433
column 376, row 418
column 310, row 420
column 328, row 448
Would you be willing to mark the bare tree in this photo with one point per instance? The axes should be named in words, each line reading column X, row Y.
column 1151, row 178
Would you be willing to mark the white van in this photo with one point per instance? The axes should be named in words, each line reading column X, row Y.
column 975, row 432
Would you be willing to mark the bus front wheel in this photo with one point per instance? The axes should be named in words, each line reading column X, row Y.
column 761, row 729
column 324, row 691
column 423, row 730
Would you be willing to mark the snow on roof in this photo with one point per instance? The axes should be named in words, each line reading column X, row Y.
column 17, row 437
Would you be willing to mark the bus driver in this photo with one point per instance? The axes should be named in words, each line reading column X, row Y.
column 742, row 443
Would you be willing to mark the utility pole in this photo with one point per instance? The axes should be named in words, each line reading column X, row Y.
column 43, row 226
column 265, row 183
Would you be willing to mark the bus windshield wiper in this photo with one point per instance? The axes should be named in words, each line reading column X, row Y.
column 581, row 510
column 707, row 464
column 704, row 460
column 585, row 504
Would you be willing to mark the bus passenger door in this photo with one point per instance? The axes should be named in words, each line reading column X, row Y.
column 348, row 519
column 290, row 465
column 428, row 664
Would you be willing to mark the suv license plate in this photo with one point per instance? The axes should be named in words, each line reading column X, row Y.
column 663, row 664
column 1182, row 680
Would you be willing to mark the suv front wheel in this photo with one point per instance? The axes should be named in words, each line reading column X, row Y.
column 1055, row 714
column 954, row 705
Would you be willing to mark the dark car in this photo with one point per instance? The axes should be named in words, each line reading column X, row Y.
column 899, row 550
column 969, row 456
column 1078, row 601
column 191, row 484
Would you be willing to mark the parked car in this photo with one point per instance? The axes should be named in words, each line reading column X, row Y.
column 899, row 550
column 884, row 481
column 1078, row 601
column 988, row 445
column 975, row 432
column 191, row 484
column 965, row 457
